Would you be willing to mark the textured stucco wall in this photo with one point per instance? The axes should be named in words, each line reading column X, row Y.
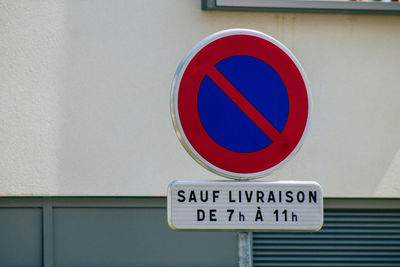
column 85, row 85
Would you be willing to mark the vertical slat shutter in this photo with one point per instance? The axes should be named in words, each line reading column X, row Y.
column 349, row 237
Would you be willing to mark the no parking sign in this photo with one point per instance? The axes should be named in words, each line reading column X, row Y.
column 240, row 103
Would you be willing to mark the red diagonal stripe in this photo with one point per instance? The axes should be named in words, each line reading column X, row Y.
column 243, row 104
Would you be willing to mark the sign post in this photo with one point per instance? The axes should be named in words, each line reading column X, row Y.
column 244, row 249
column 240, row 106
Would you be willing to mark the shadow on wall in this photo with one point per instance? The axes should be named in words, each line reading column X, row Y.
column 389, row 186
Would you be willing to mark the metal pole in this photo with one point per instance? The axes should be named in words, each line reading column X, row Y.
column 244, row 249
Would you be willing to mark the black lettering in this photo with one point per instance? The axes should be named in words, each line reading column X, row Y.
column 300, row 196
column 312, row 195
column 294, row 217
column 230, row 197
column 240, row 196
column 289, row 196
column 276, row 212
column 241, row 217
column 280, row 196
column 248, row 196
column 181, row 194
column 230, row 214
column 271, row 197
column 212, row 216
column 192, row 196
column 206, row 196
column 200, row 215
column 260, row 196
column 285, row 214
column 259, row 215
column 215, row 195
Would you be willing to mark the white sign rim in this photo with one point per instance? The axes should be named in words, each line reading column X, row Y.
column 175, row 114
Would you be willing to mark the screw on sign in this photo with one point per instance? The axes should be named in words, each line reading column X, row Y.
column 240, row 103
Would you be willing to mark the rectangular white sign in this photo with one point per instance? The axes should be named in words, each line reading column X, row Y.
column 244, row 205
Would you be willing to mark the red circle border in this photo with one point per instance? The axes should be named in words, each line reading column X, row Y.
column 296, row 86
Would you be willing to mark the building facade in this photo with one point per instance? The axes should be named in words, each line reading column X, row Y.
column 87, row 146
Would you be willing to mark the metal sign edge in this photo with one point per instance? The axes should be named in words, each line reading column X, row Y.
column 172, row 226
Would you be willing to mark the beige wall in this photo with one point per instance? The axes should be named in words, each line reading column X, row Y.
column 84, row 96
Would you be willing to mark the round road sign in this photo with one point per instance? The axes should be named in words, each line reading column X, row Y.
column 240, row 103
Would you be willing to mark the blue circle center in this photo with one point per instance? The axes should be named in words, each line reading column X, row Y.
column 225, row 122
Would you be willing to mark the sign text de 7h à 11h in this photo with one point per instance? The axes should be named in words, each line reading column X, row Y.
column 258, row 206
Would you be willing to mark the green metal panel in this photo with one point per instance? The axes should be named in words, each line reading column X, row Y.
column 134, row 237
column 103, row 231
column 107, row 231
column 20, row 237
column 349, row 237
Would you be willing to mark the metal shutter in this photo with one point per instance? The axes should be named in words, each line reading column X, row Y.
column 349, row 237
